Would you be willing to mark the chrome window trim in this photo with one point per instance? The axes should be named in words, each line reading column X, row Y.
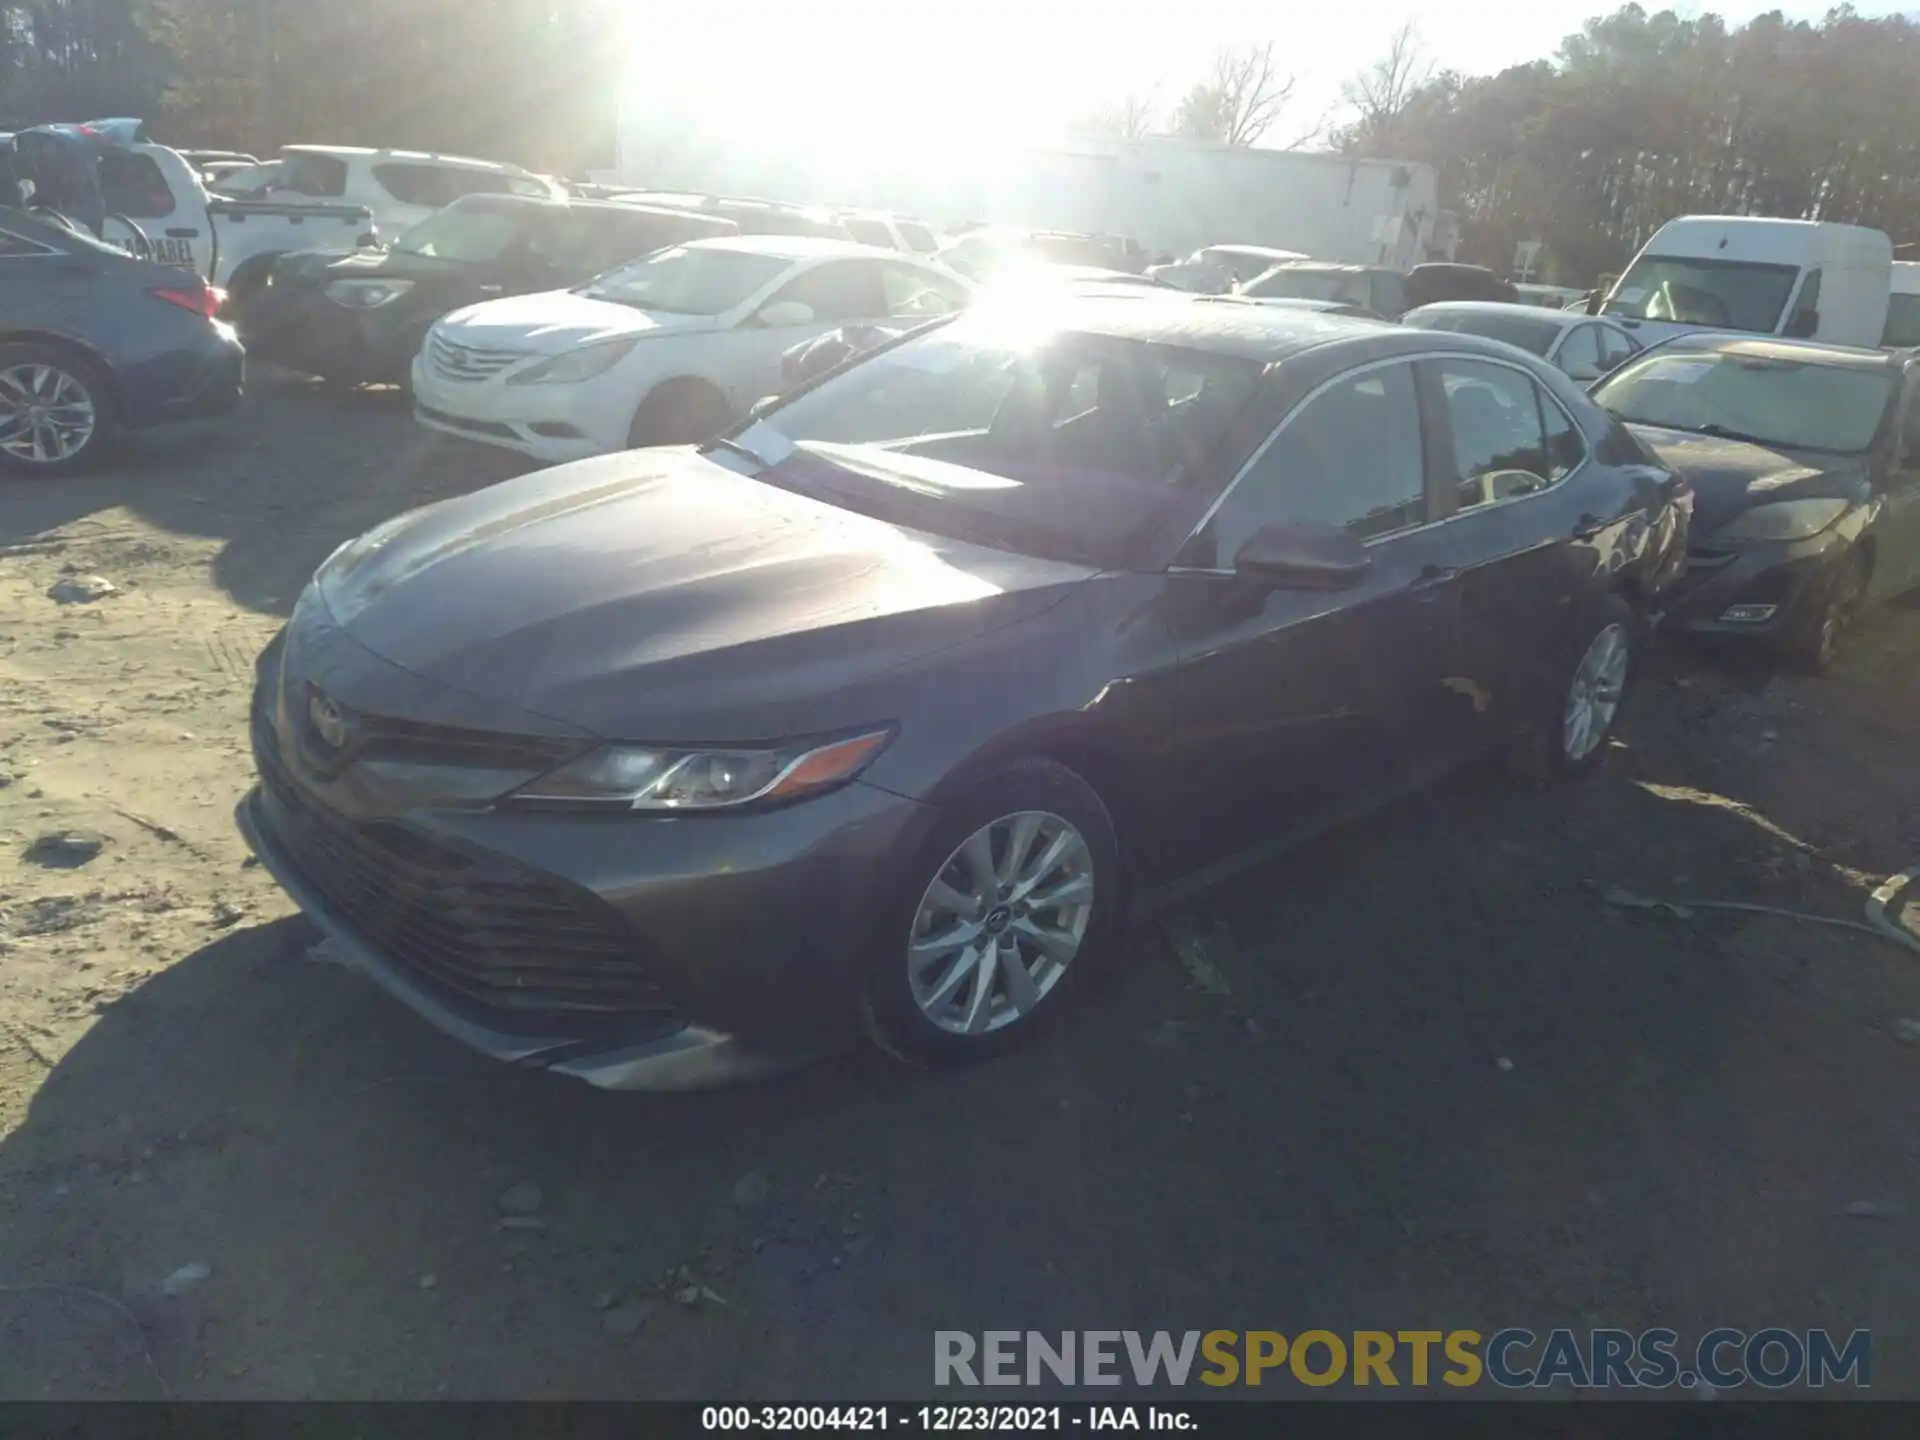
column 35, row 250
column 1586, row 451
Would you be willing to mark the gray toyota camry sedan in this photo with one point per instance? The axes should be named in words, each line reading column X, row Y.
column 683, row 765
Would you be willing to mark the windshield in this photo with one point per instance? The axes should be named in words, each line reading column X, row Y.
column 1058, row 444
column 1770, row 401
column 1525, row 331
column 1345, row 287
column 1726, row 294
column 471, row 235
column 1903, row 321
column 688, row 281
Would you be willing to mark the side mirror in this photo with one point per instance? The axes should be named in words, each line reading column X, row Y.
column 1804, row 325
column 785, row 314
column 1585, row 371
column 762, row 406
column 1290, row 556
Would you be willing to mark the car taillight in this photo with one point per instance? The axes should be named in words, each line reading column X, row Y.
column 204, row 301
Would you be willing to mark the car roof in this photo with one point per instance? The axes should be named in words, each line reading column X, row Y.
column 1226, row 325
column 1330, row 267
column 1565, row 319
column 1774, row 347
column 798, row 247
column 464, row 162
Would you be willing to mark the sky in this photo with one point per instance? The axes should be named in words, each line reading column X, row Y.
column 907, row 80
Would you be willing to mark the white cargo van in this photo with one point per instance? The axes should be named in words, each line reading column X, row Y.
column 1802, row 278
column 1903, row 307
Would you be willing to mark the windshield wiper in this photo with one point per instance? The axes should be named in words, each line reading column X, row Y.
column 734, row 447
column 1723, row 432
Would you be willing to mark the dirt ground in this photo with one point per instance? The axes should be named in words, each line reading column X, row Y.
column 1420, row 1074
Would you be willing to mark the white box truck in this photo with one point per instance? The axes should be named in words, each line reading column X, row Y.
column 1802, row 278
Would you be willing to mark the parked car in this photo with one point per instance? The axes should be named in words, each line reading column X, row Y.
column 399, row 187
column 683, row 765
column 891, row 232
column 1902, row 330
column 1371, row 287
column 1215, row 269
column 1435, row 283
column 1585, row 348
column 157, row 207
column 670, row 349
column 980, row 254
column 93, row 342
column 751, row 216
column 361, row 318
column 1805, row 460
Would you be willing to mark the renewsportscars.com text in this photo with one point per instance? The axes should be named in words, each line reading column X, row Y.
column 1773, row 1358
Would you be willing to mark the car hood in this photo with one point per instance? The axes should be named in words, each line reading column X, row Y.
column 1729, row 476
column 553, row 322
column 657, row 595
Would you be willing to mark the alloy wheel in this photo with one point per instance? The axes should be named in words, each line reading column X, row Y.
column 1000, row 923
column 1593, row 698
column 46, row 414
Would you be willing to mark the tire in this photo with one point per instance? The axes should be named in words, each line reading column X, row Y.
column 679, row 412
column 1052, row 808
column 45, row 381
column 1604, row 663
column 1813, row 648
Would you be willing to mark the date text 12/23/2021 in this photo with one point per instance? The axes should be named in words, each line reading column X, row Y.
column 944, row 1419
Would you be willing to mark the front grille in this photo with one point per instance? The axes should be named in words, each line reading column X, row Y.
column 461, row 362
column 364, row 736
column 478, row 929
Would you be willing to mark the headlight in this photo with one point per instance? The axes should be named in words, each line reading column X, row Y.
column 1783, row 520
column 632, row 777
column 577, row 365
column 366, row 294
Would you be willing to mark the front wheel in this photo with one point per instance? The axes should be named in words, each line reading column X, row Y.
column 55, row 413
column 1581, row 714
column 998, row 917
column 1816, row 646
column 679, row 412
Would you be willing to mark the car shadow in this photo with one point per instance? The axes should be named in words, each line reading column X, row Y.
column 1431, row 1071
column 281, row 482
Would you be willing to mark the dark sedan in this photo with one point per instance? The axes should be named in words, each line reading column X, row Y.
column 93, row 342
column 361, row 317
column 1805, row 461
column 881, row 711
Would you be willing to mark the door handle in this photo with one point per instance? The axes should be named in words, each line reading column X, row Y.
column 1588, row 526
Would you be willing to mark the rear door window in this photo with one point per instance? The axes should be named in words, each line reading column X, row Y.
column 869, row 232
column 913, row 294
column 323, row 177
column 839, row 290
column 1579, row 353
column 131, row 184
column 918, row 236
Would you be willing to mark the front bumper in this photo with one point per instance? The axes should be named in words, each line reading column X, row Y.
column 1782, row 585
column 303, row 330
column 553, row 424
column 202, row 379
column 745, row 937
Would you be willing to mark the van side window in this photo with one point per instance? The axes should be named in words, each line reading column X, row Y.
column 1806, row 310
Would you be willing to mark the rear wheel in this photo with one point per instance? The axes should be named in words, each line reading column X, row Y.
column 55, row 412
column 679, row 412
column 997, row 918
column 1579, row 718
column 1817, row 644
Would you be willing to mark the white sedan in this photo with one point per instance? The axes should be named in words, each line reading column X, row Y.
column 668, row 350
column 1585, row 346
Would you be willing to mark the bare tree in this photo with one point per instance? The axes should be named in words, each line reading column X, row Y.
column 1380, row 93
column 1238, row 101
column 1131, row 117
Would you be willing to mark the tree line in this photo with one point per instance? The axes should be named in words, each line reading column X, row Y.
column 1637, row 118
column 532, row 81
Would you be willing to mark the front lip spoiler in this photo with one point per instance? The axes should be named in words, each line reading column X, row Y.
column 691, row 1058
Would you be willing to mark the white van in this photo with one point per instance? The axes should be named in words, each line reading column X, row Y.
column 1802, row 278
column 1903, row 307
